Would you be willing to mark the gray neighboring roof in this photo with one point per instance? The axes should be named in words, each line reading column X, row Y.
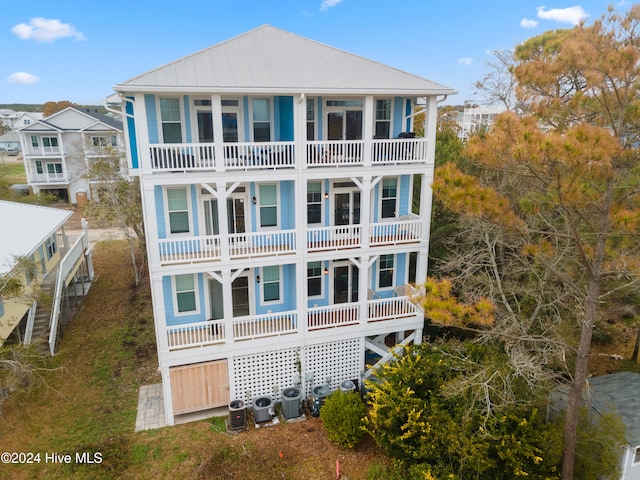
column 24, row 228
column 10, row 137
column 619, row 391
column 268, row 59
column 101, row 117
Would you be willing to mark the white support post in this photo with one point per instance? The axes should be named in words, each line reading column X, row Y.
column 221, row 187
column 168, row 399
column 227, row 305
column 142, row 134
column 363, row 287
column 218, row 139
column 367, row 134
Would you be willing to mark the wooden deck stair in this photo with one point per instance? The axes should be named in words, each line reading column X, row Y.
column 40, row 336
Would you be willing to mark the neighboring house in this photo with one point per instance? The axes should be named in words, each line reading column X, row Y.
column 9, row 141
column 277, row 177
column 7, row 117
column 478, row 119
column 59, row 150
column 36, row 252
column 26, row 118
column 618, row 392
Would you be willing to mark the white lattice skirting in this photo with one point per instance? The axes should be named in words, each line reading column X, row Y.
column 268, row 373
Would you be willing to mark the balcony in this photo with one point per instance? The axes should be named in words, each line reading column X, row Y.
column 213, row 332
column 49, row 177
column 250, row 156
column 209, row 248
column 239, row 245
column 43, row 151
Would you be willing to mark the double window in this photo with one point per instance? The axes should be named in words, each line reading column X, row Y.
column 389, row 197
column 271, row 291
column 170, row 120
column 185, row 288
column 311, row 119
column 111, row 141
column 51, row 246
column 178, row 207
column 268, row 205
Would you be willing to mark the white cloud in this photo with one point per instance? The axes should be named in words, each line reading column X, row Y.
column 327, row 4
column 526, row 23
column 465, row 61
column 46, row 30
column 572, row 15
column 22, row 78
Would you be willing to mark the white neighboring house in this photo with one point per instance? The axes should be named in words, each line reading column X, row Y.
column 26, row 118
column 478, row 118
column 277, row 177
column 7, row 117
column 9, row 142
column 58, row 150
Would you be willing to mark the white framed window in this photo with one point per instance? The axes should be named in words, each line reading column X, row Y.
column 39, row 168
column 271, row 284
column 178, row 211
column 311, row 119
column 170, row 120
column 385, row 271
column 314, row 203
column 268, row 205
column 34, row 140
column 314, row 279
column 51, row 246
column 389, row 198
column 261, row 116
column 185, row 294
column 382, row 127
column 50, row 142
column 636, row 456
column 99, row 141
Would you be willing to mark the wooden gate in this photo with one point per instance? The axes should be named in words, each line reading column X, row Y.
column 199, row 387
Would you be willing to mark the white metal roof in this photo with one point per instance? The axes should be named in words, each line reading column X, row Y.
column 23, row 228
column 268, row 59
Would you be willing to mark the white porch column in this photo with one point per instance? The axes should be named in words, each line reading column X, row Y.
column 367, row 134
column 227, row 305
column 149, row 208
column 430, row 128
column 365, row 211
column 142, row 133
column 166, row 393
column 218, row 139
column 363, row 287
column 300, row 130
column 223, row 225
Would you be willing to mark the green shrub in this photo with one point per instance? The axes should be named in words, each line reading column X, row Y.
column 342, row 415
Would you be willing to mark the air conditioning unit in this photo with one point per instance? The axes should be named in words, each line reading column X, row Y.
column 319, row 394
column 262, row 409
column 291, row 402
column 347, row 386
column 237, row 415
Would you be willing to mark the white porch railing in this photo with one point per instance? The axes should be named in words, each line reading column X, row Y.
column 196, row 334
column 333, row 316
column 267, row 325
column 390, row 308
column 399, row 150
column 406, row 230
column 181, row 250
column 254, row 155
column 75, row 253
column 335, row 153
column 333, row 238
column 252, row 244
column 182, row 156
column 43, row 151
column 48, row 177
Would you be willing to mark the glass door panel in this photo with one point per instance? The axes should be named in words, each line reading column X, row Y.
column 345, row 284
column 347, row 208
column 240, row 296
column 354, row 125
column 215, row 299
column 205, row 127
column 212, row 226
column 335, row 122
column 236, row 215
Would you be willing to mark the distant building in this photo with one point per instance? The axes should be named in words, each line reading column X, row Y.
column 477, row 119
column 59, row 150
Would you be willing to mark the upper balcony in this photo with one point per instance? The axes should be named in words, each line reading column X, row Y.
column 211, row 248
column 43, row 151
column 251, row 156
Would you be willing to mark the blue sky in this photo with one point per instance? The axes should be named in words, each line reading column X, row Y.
column 77, row 50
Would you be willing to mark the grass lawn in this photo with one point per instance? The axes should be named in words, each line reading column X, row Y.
column 88, row 406
column 13, row 172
